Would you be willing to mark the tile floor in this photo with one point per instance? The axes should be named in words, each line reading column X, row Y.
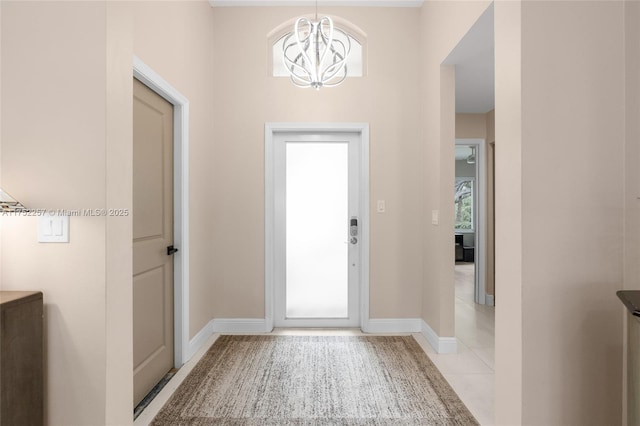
column 469, row 371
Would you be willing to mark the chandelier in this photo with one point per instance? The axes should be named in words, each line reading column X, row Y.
column 313, row 54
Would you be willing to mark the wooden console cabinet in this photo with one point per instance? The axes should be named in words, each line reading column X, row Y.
column 21, row 358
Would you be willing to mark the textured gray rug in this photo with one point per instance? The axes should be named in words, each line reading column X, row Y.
column 314, row 380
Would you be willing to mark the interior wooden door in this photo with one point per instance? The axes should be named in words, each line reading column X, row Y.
column 152, row 235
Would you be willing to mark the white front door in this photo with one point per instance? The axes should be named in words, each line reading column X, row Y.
column 318, row 226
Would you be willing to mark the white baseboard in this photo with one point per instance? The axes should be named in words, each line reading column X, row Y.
column 224, row 325
column 442, row 345
column 199, row 339
column 239, row 325
column 392, row 325
column 489, row 300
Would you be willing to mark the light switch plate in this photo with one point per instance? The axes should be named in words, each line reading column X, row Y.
column 53, row 229
column 381, row 208
column 435, row 217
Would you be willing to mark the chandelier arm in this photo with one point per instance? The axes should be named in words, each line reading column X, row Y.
column 308, row 42
column 346, row 36
column 336, row 67
column 293, row 67
column 328, row 41
column 302, row 84
column 346, row 49
column 336, row 74
column 333, row 69
column 302, row 78
column 300, row 75
column 328, row 84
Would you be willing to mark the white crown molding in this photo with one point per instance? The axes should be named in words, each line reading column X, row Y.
column 356, row 3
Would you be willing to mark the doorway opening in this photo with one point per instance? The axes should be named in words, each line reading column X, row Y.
column 471, row 64
column 470, row 218
column 316, row 233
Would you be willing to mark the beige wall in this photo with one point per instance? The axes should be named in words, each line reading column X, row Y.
column 554, row 302
column 632, row 147
column 491, row 125
column 565, row 356
column 66, row 144
column 246, row 97
column 118, row 195
column 571, row 292
column 508, row 400
column 176, row 40
column 442, row 25
column 471, row 126
column 632, row 158
column 53, row 156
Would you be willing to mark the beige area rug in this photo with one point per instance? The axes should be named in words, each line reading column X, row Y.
column 314, row 380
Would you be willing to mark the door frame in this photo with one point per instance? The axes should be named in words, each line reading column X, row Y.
column 362, row 130
column 480, row 215
column 182, row 350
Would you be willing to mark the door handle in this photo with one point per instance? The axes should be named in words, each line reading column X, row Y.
column 171, row 250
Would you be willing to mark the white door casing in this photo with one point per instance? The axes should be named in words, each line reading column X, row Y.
column 479, row 212
column 277, row 135
column 183, row 348
column 343, row 270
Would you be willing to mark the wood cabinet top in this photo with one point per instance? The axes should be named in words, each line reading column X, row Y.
column 8, row 298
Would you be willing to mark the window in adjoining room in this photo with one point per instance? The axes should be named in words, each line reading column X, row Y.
column 464, row 204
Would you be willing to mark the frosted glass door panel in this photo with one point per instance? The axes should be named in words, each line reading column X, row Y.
column 316, row 230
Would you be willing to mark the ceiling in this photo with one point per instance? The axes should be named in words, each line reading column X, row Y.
column 473, row 58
